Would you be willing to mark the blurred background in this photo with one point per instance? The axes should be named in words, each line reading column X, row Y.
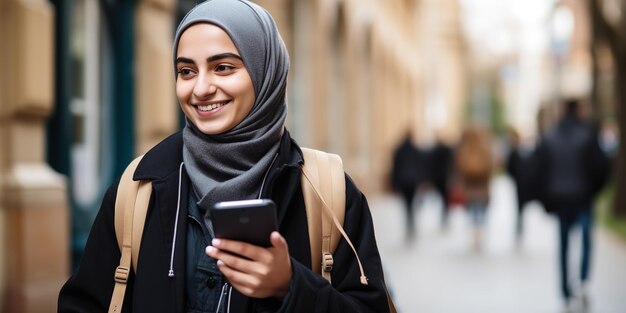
column 87, row 85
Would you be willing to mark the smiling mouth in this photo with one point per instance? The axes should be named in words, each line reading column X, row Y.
column 210, row 107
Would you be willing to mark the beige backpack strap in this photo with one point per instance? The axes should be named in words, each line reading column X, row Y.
column 324, row 191
column 131, row 205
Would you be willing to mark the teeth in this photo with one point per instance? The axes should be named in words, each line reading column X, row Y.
column 211, row 106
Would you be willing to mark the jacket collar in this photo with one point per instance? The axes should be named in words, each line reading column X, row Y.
column 289, row 154
column 162, row 159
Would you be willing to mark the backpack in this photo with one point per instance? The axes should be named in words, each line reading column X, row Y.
column 474, row 162
column 323, row 188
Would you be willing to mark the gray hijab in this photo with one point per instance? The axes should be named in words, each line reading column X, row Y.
column 232, row 165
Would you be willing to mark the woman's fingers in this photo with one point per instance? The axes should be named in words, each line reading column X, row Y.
column 241, row 248
column 241, row 256
column 234, row 261
column 254, row 271
column 250, row 284
column 241, row 281
column 278, row 241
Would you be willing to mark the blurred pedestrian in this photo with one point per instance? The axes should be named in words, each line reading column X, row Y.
column 573, row 170
column 474, row 164
column 406, row 175
column 439, row 173
column 521, row 167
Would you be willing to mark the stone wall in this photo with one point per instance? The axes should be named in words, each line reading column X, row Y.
column 33, row 204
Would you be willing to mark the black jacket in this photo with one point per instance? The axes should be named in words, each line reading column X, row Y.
column 571, row 166
column 521, row 165
column 408, row 167
column 151, row 290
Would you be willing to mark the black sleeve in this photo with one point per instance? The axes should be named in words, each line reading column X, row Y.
column 511, row 164
column 310, row 292
column 541, row 170
column 600, row 168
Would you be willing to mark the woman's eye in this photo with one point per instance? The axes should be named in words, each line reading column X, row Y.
column 224, row 68
column 184, row 72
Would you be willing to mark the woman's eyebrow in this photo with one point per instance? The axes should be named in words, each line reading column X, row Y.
column 183, row 60
column 210, row 59
column 222, row 56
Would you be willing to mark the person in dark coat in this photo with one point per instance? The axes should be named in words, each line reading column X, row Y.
column 573, row 169
column 407, row 173
column 440, row 163
column 231, row 73
column 521, row 167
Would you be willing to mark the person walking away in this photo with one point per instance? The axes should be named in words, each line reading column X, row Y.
column 574, row 169
column 406, row 175
column 440, row 170
column 231, row 68
column 521, row 167
column 474, row 163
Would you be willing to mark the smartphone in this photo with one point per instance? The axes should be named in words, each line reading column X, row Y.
column 249, row 221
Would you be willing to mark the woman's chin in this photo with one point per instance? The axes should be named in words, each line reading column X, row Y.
column 211, row 128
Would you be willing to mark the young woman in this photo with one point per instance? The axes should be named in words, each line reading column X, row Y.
column 231, row 73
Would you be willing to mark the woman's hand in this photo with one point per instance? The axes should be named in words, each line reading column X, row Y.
column 254, row 271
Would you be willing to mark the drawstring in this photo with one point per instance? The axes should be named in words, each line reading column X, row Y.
column 219, row 302
column 171, row 271
column 265, row 176
column 180, row 175
column 230, row 292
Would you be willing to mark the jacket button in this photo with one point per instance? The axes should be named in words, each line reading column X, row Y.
column 210, row 282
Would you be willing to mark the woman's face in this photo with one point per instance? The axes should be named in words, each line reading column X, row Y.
column 213, row 87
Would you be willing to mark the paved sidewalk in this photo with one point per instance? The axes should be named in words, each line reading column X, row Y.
column 440, row 272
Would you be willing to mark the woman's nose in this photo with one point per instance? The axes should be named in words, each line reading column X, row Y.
column 204, row 87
